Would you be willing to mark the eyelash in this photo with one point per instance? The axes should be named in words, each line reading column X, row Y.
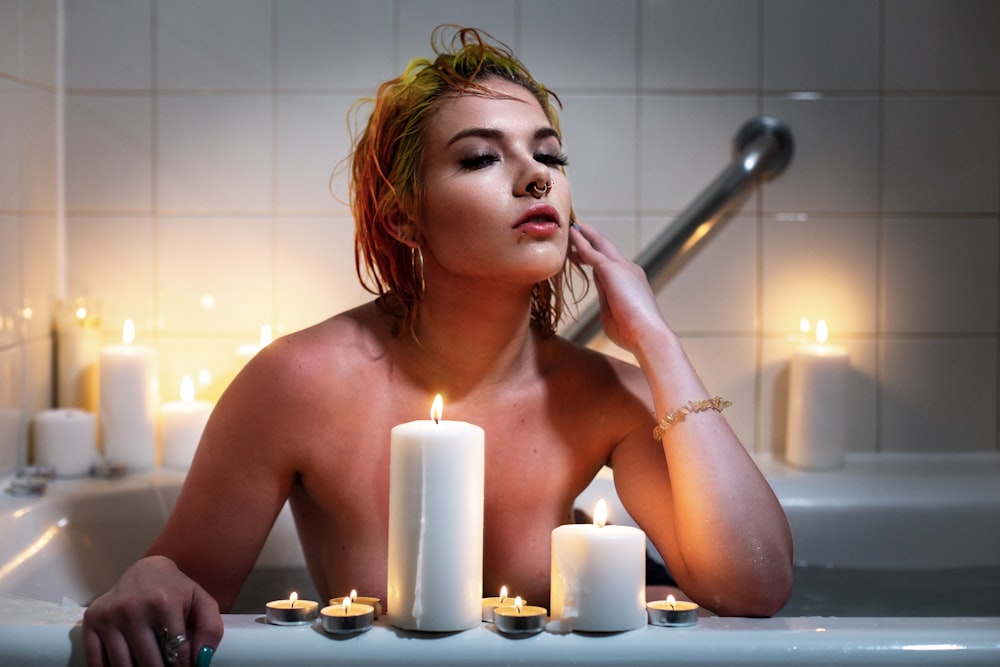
column 485, row 159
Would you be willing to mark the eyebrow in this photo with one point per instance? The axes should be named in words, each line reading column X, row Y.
column 492, row 133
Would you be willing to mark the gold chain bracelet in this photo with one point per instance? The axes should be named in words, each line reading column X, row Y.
column 716, row 403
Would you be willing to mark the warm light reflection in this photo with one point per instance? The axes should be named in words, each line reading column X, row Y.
column 437, row 408
column 187, row 389
column 29, row 551
column 601, row 513
column 265, row 335
column 128, row 332
column 822, row 332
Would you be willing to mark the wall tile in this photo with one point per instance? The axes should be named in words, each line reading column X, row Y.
column 109, row 46
column 39, row 278
column 685, row 143
column 11, row 145
column 942, row 45
column 312, row 143
column 315, row 270
column 316, row 39
column 820, row 269
column 11, row 287
column 821, row 45
column 38, row 41
column 941, row 276
column 215, row 153
column 602, row 168
column 39, row 167
column 696, row 295
column 111, row 259
column 699, row 45
column 231, row 262
column 10, row 38
column 939, row 395
column 418, row 18
column 835, row 165
column 942, row 154
column 109, row 153
column 224, row 44
column 593, row 47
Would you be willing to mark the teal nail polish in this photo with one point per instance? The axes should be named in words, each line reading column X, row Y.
column 205, row 656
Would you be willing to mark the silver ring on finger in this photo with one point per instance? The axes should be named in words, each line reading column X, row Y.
column 170, row 644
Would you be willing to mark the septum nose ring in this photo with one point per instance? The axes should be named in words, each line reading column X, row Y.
column 536, row 190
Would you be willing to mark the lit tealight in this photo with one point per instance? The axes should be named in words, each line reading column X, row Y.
column 519, row 618
column 292, row 611
column 672, row 612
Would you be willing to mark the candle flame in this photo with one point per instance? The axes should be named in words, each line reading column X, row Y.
column 437, row 408
column 128, row 332
column 346, row 604
column 503, row 593
column 822, row 332
column 265, row 335
column 354, row 595
column 291, row 599
column 601, row 513
column 81, row 312
column 804, row 324
column 672, row 601
column 187, row 389
column 518, row 604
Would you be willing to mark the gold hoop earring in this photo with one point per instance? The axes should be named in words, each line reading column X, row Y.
column 417, row 267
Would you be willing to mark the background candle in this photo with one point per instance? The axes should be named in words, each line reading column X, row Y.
column 128, row 398
column 292, row 611
column 519, row 618
column 436, row 493
column 489, row 604
column 599, row 576
column 817, row 404
column 66, row 440
column 78, row 351
column 181, row 425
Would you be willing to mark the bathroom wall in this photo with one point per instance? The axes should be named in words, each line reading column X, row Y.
column 29, row 187
column 201, row 138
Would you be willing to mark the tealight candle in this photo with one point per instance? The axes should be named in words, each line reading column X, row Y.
column 817, row 404
column 292, row 611
column 491, row 603
column 347, row 617
column 519, row 618
column 375, row 603
column 672, row 612
column 436, row 495
column 598, row 576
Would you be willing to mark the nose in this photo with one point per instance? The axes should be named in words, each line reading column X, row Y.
column 536, row 180
column 537, row 190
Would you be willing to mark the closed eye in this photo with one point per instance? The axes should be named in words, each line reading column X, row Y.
column 550, row 160
column 478, row 161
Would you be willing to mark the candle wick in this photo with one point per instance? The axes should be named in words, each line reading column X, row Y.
column 437, row 421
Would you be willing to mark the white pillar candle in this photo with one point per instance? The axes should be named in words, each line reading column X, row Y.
column 78, row 349
column 181, row 425
column 66, row 440
column 128, row 402
column 817, row 404
column 598, row 576
column 436, row 495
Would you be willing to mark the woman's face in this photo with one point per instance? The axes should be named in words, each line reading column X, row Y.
column 479, row 218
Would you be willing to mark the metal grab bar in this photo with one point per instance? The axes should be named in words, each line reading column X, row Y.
column 763, row 146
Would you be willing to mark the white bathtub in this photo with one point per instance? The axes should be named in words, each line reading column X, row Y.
column 899, row 513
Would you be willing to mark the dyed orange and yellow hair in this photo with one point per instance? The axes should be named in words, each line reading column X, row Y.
column 386, row 174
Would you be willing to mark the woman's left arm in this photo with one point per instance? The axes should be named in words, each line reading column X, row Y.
column 697, row 491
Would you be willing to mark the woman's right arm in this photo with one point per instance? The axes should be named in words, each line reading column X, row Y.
column 241, row 476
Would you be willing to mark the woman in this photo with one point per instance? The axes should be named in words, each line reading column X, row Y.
column 465, row 231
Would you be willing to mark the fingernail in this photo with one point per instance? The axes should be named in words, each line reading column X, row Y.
column 575, row 226
column 205, row 656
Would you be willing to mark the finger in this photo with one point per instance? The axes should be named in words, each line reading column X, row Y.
column 600, row 245
column 206, row 628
